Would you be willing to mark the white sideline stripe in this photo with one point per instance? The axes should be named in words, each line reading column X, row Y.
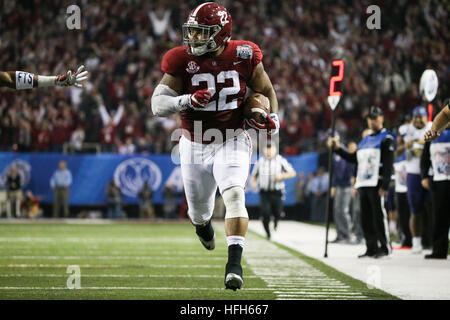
column 52, row 275
column 280, row 280
column 128, row 288
column 315, row 290
column 101, row 251
column 97, row 240
column 291, row 277
column 313, row 279
column 309, row 286
column 318, row 296
column 108, row 258
column 287, row 283
column 94, row 251
column 111, row 266
column 306, row 292
column 310, row 297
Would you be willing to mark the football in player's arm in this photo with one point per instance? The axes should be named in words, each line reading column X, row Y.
column 20, row 80
column 260, row 82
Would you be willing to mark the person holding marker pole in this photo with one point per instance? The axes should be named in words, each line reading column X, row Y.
column 374, row 158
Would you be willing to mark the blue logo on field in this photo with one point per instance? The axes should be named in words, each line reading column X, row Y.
column 131, row 174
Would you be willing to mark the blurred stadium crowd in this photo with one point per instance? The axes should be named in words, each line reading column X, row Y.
column 121, row 43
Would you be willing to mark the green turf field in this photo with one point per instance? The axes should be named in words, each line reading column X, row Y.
column 156, row 261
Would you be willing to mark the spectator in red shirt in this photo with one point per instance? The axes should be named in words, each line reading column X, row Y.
column 43, row 137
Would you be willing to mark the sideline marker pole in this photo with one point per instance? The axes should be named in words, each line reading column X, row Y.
column 333, row 100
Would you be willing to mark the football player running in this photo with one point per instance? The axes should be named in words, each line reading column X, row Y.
column 19, row 80
column 206, row 81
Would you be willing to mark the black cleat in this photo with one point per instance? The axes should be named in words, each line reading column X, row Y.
column 233, row 281
column 233, row 276
column 435, row 256
column 210, row 245
column 367, row 255
column 382, row 253
column 206, row 235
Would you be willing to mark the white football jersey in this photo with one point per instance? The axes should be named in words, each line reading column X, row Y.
column 400, row 176
column 413, row 154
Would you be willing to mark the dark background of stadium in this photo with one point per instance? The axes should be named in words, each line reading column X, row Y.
column 298, row 39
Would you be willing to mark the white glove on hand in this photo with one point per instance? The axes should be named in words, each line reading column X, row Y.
column 72, row 80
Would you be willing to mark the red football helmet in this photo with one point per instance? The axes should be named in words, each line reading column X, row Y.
column 208, row 27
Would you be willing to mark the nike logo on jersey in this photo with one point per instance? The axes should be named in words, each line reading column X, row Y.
column 236, row 62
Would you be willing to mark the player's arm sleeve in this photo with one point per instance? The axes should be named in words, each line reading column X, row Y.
column 425, row 161
column 387, row 158
column 21, row 80
column 18, row 80
column 26, row 80
column 166, row 99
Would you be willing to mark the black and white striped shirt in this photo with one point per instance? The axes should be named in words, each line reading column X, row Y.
column 265, row 170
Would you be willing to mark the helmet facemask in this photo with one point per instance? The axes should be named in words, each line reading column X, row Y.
column 200, row 38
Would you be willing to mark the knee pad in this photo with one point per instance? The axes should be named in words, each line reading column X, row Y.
column 234, row 200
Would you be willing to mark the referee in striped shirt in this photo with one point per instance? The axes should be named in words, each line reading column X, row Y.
column 269, row 174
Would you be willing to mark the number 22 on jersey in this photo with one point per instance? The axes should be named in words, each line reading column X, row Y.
column 219, row 103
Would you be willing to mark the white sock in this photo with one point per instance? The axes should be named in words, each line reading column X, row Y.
column 417, row 241
column 236, row 240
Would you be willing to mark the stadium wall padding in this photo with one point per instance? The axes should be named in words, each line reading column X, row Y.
column 91, row 174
